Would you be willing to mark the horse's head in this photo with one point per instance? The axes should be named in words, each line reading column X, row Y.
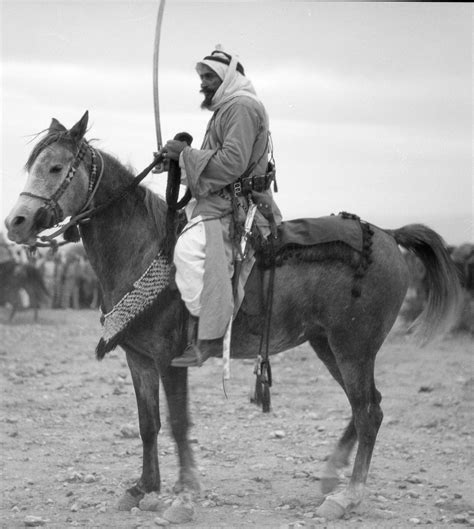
column 59, row 180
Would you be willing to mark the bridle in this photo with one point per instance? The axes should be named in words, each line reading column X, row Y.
column 51, row 204
column 87, row 211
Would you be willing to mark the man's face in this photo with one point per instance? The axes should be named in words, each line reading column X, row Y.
column 210, row 82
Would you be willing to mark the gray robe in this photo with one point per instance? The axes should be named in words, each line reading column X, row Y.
column 236, row 138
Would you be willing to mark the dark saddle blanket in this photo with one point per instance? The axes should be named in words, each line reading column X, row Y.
column 313, row 231
column 305, row 234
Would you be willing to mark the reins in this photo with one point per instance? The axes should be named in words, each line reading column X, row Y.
column 172, row 199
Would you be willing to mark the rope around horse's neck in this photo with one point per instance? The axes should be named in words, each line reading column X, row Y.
column 86, row 215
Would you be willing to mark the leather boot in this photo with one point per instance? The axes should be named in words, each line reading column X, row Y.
column 197, row 351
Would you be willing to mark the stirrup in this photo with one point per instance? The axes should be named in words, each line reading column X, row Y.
column 191, row 357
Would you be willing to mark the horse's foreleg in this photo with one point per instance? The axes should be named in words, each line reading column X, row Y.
column 175, row 383
column 367, row 417
column 146, row 379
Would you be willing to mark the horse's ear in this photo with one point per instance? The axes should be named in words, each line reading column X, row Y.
column 77, row 132
column 55, row 126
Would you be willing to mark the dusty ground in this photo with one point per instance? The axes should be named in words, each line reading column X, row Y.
column 70, row 446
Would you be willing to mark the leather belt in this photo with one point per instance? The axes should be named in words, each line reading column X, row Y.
column 245, row 185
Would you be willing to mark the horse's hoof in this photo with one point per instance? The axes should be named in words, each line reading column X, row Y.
column 328, row 484
column 181, row 511
column 127, row 501
column 188, row 482
column 151, row 502
column 330, row 510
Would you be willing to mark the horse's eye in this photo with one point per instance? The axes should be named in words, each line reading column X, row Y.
column 56, row 169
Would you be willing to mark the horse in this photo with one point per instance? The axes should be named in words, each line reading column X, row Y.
column 313, row 302
column 17, row 277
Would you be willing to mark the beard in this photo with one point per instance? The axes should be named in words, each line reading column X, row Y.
column 208, row 95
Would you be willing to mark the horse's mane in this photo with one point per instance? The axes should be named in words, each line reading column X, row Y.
column 155, row 206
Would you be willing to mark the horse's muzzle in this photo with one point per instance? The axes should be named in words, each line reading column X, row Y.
column 17, row 229
column 23, row 226
column 44, row 218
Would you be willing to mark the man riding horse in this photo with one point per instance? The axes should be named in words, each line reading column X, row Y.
column 229, row 170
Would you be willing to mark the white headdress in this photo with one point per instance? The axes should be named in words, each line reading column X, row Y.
column 234, row 82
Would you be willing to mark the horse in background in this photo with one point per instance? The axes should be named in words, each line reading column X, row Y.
column 314, row 301
column 18, row 280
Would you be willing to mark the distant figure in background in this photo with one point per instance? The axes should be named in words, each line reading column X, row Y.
column 47, row 268
column 463, row 257
column 89, row 290
column 58, row 280
column 21, row 287
column 70, row 286
column 6, row 253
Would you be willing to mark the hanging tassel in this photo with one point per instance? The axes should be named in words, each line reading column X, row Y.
column 266, row 399
column 263, row 382
column 257, row 398
column 266, row 383
column 261, row 396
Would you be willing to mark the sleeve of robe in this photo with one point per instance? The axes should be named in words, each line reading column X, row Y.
column 209, row 170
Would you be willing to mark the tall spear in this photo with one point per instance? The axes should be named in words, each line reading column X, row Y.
column 156, row 96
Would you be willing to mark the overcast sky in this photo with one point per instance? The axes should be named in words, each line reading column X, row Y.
column 370, row 103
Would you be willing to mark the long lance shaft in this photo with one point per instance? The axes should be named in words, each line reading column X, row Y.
column 156, row 95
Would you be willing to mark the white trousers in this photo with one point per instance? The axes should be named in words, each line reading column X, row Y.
column 189, row 258
column 190, row 261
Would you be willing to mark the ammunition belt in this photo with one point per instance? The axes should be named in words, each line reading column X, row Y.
column 246, row 184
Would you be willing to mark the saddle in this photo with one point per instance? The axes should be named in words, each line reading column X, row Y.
column 344, row 228
column 343, row 237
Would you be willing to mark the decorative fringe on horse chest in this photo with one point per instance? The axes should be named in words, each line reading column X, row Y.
column 146, row 291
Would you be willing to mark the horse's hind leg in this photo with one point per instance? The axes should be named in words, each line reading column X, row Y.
column 358, row 377
column 146, row 381
column 175, row 384
column 339, row 458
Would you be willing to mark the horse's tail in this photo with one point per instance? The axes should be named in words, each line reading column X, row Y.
column 443, row 286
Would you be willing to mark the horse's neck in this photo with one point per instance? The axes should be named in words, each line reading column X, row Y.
column 122, row 240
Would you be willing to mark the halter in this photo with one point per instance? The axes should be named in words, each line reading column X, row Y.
column 87, row 211
column 51, row 204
